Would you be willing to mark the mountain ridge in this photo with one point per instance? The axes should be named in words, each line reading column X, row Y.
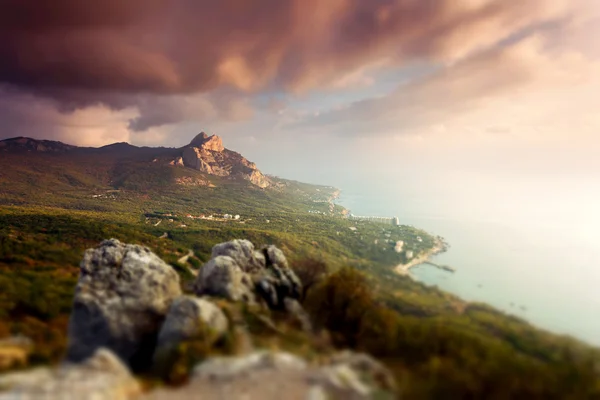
column 29, row 144
column 205, row 154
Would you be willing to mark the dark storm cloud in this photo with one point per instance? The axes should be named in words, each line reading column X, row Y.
column 185, row 46
column 149, row 53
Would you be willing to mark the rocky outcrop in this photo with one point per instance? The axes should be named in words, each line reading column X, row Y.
column 223, row 277
column 193, row 158
column 228, row 368
column 121, row 300
column 128, row 309
column 275, row 375
column 190, row 317
column 177, row 162
column 101, row 377
column 372, row 372
column 243, row 253
column 257, row 178
column 238, row 272
column 277, row 281
column 207, row 154
column 212, row 143
column 295, row 309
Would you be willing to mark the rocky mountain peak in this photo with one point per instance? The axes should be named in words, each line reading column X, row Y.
column 199, row 139
column 212, row 143
column 207, row 154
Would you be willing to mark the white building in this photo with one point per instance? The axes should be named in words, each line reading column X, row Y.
column 399, row 246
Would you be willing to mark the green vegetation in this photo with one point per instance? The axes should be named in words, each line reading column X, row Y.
column 475, row 352
column 53, row 208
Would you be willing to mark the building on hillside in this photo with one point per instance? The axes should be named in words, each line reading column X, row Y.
column 381, row 220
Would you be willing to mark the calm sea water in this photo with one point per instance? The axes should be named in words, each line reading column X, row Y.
column 546, row 273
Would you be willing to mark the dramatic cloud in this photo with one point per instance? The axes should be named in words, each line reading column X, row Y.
column 512, row 88
column 24, row 114
column 184, row 46
column 161, row 62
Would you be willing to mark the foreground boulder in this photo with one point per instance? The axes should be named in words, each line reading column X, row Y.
column 121, row 299
column 223, row 277
column 101, row 377
column 277, row 281
column 243, row 253
column 277, row 375
column 238, row 272
column 188, row 319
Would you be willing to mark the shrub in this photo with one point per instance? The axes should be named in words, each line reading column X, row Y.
column 340, row 303
column 310, row 272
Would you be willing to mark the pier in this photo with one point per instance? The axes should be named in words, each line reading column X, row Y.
column 440, row 266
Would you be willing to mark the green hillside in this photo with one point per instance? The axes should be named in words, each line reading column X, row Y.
column 54, row 206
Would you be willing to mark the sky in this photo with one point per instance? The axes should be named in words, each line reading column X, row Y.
column 493, row 94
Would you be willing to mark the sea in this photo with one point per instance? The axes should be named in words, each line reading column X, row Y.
column 544, row 270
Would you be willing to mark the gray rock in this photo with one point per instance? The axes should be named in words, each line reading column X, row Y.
column 277, row 375
column 190, row 318
column 349, row 375
column 277, row 281
column 265, row 288
column 231, row 368
column 237, row 272
column 121, row 299
column 255, row 376
column 295, row 309
column 103, row 376
column 371, row 372
column 275, row 257
column 242, row 251
column 341, row 382
column 223, row 277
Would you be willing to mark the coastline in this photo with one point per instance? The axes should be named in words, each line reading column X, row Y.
column 404, row 269
column 440, row 246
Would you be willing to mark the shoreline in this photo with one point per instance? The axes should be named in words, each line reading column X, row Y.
column 404, row 269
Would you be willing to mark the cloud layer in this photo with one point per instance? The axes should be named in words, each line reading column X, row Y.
column 161, row 62
column 519, row 86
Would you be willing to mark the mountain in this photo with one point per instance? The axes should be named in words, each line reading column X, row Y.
column 199, row 163
column 207, row 154
column 20, row 144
